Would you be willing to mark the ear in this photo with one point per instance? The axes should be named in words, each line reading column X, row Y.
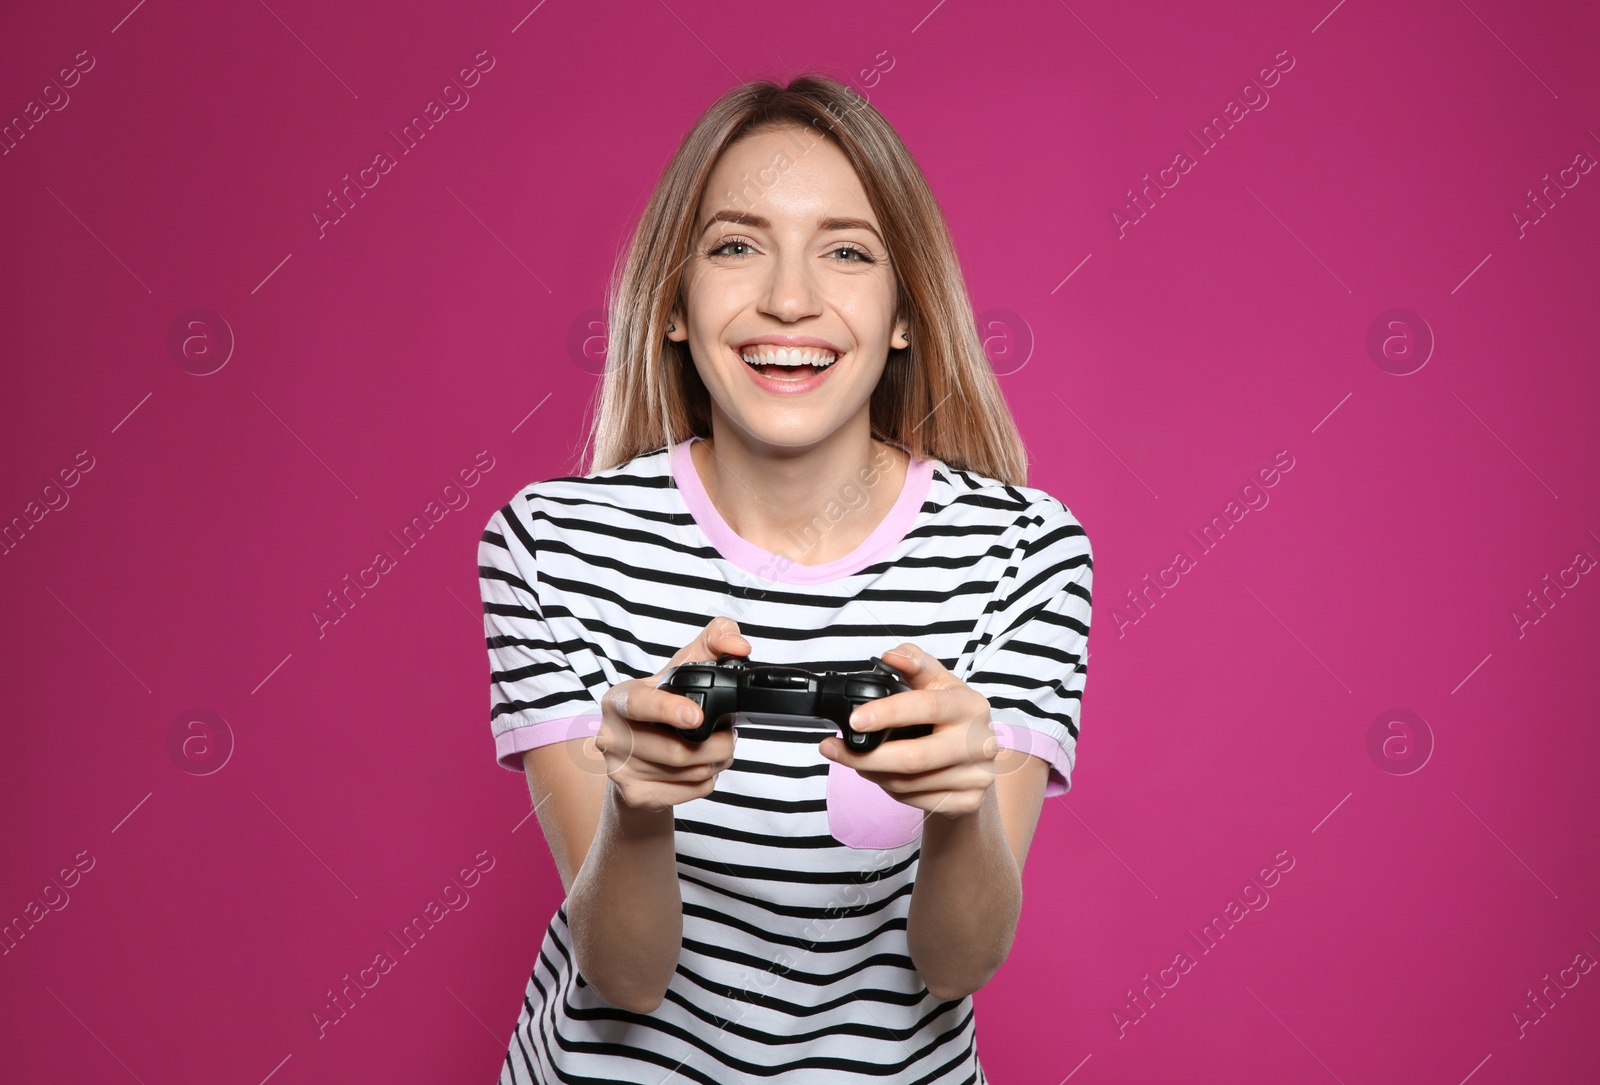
column 679, row 326
column 900, row 340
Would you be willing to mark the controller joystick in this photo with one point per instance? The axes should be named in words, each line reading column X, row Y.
column 734, row 686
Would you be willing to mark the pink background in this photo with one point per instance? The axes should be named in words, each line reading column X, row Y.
column 1435, row 878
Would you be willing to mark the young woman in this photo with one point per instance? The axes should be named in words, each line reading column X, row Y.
column 800, row 456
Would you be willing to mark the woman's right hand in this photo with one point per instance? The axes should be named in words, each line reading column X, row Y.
column 652, row 768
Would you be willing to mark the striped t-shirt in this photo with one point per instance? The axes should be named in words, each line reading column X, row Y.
column 795, row 872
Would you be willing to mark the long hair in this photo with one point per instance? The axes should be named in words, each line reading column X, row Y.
column 937, row 398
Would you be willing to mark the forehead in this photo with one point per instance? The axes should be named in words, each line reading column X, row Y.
column 790, row 175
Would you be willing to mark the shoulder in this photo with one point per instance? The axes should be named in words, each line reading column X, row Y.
column 1040, row 523
column 642, row 482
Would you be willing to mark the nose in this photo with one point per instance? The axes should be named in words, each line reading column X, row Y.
column 791, row 290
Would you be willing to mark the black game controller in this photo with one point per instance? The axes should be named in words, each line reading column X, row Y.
column 734, row 685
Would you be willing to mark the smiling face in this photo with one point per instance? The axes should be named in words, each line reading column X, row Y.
column 802, row 263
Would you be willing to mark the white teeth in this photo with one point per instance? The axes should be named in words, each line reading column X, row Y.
column 767, row 354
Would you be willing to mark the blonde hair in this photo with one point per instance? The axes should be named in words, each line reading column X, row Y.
column 937, row 398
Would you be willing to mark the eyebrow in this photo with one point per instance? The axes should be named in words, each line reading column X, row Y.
column 761, row 222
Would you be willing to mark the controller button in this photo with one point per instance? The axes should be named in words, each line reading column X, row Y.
column 781, row 678
column 857, row 687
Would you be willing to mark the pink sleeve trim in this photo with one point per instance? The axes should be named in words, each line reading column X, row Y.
column 510, row 744
column 1016, row 737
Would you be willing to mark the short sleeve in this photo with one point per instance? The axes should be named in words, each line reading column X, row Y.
column 1033, row 669
column 535, row 696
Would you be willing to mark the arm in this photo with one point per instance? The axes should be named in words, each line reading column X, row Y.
column 968, row 892
column 607, row 811
column 982, row 801
column 980, row 805
column 604, row 793
column 619, row 869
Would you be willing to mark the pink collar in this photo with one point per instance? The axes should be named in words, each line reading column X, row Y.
column 787, row 570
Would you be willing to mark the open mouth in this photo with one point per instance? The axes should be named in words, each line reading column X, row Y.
column 788, row 363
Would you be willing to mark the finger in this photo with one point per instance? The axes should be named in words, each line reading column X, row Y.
column 646, row 702
column 948, row 778
column 722, row 635
column 658, row 745
column 926, row 754
column 697, row 773
column 634, row 713
column 910, row 706
column 919, row 667
column 662, row 794
column 696, row 651
column 946, row 745
column 672, row 768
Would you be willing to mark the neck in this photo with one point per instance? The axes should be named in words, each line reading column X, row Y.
column 811, row 505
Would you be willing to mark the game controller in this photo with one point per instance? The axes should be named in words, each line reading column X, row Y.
column 734, row 686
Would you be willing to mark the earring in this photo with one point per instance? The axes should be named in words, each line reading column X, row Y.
column 672, row 327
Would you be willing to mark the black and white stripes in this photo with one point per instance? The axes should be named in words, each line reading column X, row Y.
column 794, row 965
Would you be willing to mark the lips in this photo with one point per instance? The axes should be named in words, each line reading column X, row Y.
column 776, row 362
column 789, row 370
column 780, row 363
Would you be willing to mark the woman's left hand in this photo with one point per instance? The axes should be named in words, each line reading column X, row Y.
column 946, row 772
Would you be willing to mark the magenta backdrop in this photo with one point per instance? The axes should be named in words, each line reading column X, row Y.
column 223, row 795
